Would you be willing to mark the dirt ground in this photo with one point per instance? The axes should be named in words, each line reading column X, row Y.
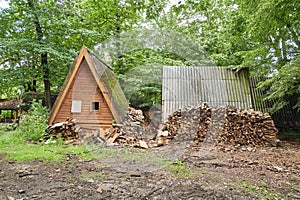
column 221, row 172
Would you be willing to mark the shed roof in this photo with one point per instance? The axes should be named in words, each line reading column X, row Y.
column 14, row 104
column 106, row 81
column 187, row 86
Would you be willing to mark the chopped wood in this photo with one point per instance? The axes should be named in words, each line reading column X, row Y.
column 69, row 131
column 201, row 123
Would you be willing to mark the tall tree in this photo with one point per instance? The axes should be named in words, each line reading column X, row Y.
column 114, row 17
column 117, row 20
column 215, row 25
column 274, row 29
column 38, row 41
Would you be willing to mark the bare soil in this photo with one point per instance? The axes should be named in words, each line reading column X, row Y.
column 224, row 172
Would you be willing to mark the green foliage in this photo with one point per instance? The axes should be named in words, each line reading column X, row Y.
column 261, row 35
column 30, row 29
column 8, row 126
column 273, row 28
column 283, row 85
column 34, row 124
column 217, row 26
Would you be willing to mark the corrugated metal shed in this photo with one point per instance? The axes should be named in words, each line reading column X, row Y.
column 184, row 86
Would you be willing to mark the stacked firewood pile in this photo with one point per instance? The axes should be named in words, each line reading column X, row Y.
column 201, row 123
column 186, row 125
column 248, row 128
column 225, row 125
column 68, row 131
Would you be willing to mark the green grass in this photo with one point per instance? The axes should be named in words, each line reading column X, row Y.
column 260, row 189
column 125, row 153
column 182, row 170
column 15, row 148
column 48, row 153
column 9, row 138
column 87, row 176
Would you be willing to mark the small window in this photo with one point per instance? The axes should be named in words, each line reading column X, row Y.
column 76, row 107
column 94, row 106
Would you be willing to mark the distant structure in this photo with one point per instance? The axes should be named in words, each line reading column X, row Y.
column 184, row 86
column 91, row 94
column 15, row 106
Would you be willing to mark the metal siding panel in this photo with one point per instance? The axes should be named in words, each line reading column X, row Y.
column 185, row 86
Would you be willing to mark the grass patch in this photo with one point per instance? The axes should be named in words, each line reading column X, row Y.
column 11, row 138
column 260, row 189
column 14, row 147
column 87, row 176
column 182, row 170
column 125, row 153
column 47, row 153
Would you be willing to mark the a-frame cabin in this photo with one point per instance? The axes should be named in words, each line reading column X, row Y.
column 91, row 94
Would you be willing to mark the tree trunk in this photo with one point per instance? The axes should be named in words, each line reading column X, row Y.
column 118, row 43
column 44, row 59
column 47, row 88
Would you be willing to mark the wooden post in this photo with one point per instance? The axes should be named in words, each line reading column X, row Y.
column 15, row 115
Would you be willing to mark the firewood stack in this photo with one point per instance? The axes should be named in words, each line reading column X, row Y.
column 68, row 131
column 224, row 125
column 248, row 128
column 187, row 124
column 133, row 124
column 200, row 124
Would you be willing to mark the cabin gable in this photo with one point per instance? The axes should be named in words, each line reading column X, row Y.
column 94, row 111
column 91, row 94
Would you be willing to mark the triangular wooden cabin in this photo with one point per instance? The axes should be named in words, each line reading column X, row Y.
column 91, row 94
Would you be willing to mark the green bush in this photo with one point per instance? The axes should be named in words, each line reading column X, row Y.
column 34, row 124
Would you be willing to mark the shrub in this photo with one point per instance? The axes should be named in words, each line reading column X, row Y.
column 34, row 124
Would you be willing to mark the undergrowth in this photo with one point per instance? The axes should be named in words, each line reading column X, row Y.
column 34, row 124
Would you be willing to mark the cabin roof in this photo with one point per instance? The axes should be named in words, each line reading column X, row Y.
column 106, row 81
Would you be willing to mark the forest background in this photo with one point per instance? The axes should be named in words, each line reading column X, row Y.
column 39, row 40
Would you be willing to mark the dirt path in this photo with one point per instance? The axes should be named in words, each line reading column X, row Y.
column 224, row 173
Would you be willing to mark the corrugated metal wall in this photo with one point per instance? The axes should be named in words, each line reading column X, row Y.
column 185, row 86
